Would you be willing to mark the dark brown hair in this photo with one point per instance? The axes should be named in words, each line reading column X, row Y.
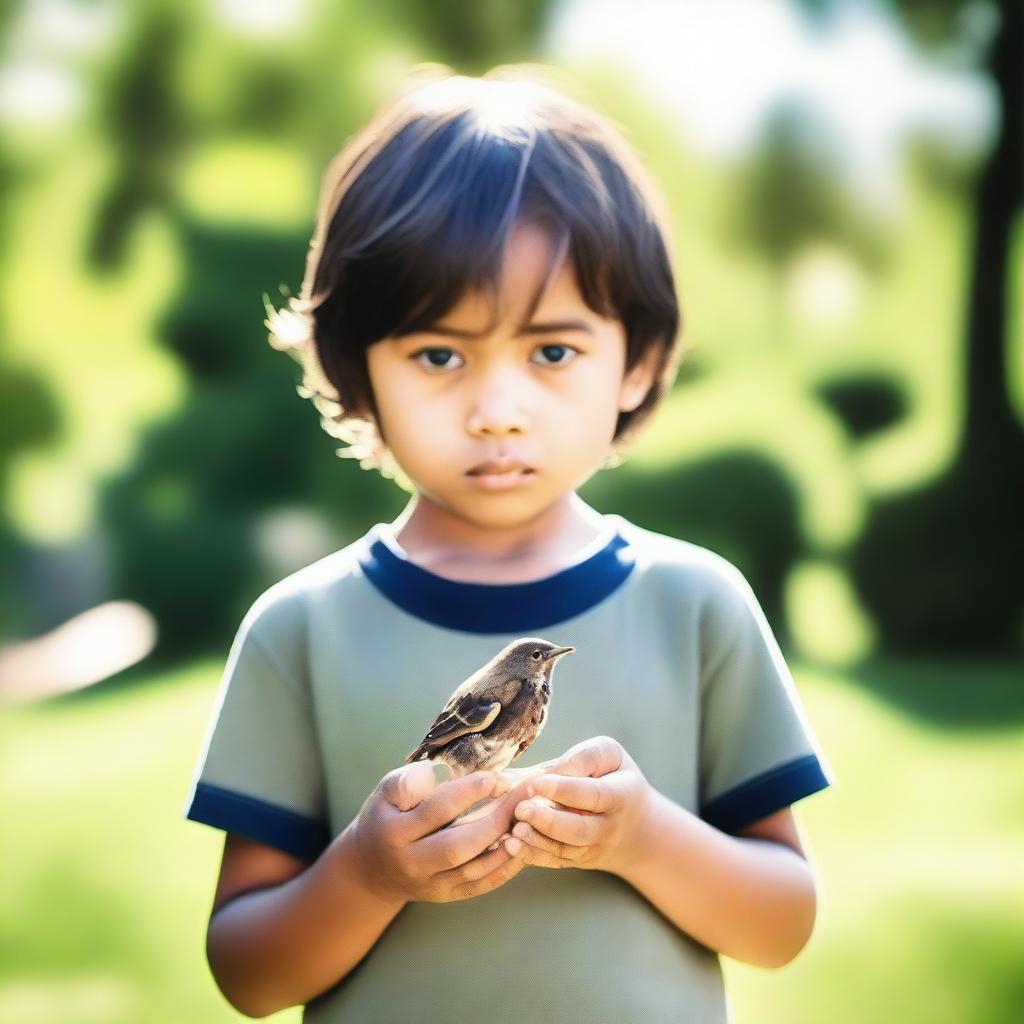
column 417, row 209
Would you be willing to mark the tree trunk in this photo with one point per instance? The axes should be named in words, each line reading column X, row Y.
column 991, row 430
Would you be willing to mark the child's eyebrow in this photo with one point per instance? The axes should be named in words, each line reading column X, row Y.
column 527, row 329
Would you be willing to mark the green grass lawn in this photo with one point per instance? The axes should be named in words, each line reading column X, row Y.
column 919, row 849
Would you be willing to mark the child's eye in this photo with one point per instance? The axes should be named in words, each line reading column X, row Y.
column 436, row 358
column 439, row 358
column 555, row 352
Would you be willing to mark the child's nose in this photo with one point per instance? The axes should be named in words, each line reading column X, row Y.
column 497, row 408
column 493, row 419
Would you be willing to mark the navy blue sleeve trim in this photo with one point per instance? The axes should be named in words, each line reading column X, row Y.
column 256, row 819
column 765, row 793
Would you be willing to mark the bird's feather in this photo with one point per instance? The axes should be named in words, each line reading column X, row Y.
column 473, row 715
column 464, row 713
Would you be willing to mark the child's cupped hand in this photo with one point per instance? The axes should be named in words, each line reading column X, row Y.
column 404, row 851
column 589, row 809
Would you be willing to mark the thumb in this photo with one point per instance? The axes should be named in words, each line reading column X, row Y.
column 590, row 758
column 406, row 786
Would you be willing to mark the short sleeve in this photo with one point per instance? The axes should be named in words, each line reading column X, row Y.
column 259, row 772
column 758, row 753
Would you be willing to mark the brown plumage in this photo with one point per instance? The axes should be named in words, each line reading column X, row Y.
column 496, row 714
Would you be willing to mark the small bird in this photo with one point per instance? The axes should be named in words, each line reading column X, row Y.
column 496, row 714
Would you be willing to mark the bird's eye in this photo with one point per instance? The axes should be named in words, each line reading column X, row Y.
column 535, row 655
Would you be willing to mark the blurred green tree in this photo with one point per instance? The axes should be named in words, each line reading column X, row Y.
column 792, row 193
column 939, row 567
column 473, row 36
column 30, row 417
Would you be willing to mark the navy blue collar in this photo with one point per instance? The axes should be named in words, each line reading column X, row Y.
column 521, row 608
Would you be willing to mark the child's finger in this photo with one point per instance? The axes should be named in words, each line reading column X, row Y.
column 560, row 825
column 583, row 794
column 446, row 803
column 473, row 870
column 538, row 849
column 497, row 842
column 504, row 872
column 594, row 757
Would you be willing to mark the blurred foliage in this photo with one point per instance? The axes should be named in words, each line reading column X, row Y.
column 864, row 404
column 472, row 36
column 150, row 419
column 793, row 192
column 232, row 448
column 932, row 564
column 739, row 504
column 143, row 120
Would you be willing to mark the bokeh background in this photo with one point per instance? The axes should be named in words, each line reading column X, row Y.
column 844, row 181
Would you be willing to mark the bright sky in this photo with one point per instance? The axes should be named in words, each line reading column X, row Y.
column 722, row 63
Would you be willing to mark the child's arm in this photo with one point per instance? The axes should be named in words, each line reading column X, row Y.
column 753, row 899
column 279, row 944
column 750, row 898
column 282, row 944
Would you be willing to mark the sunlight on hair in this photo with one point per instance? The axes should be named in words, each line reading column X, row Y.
column 497, row 105
column 504, row 105
column 86, row 649
column 291, row 332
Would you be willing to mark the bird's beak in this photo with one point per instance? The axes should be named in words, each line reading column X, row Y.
column 557, row 652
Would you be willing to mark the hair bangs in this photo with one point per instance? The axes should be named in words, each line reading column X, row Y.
column 419, row 208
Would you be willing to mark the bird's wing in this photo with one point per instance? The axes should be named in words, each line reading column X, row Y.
column 468, row 713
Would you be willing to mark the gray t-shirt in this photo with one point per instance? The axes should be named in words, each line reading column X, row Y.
column 337, row 671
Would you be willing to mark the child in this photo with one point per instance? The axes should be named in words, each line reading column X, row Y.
column 489, row 315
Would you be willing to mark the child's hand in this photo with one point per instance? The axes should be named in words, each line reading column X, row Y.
column 404, row 851
column 590, row 810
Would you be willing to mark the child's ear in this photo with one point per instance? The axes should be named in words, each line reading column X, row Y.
column 638, row 381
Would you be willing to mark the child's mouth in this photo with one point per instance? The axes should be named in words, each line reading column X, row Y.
column 500, row 481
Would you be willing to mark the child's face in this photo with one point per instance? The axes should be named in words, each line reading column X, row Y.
column 549, row 400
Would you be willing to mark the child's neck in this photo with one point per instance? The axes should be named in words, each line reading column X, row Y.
column 435, row 539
